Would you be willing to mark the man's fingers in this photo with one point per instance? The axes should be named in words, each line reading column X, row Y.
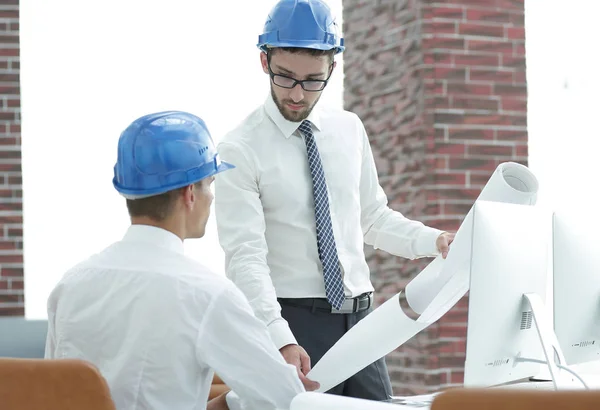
column 304, row 362
column 309, row 385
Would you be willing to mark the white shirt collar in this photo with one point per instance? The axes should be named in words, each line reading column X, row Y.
column 286, row 127
column 153, row 235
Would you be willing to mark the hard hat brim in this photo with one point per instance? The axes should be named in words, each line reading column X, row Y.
column 145, row 193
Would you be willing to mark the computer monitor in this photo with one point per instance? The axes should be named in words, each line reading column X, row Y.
column 576, row 266
column 507, row 321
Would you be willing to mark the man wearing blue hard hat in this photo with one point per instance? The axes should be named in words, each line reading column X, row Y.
column 306, row 191
column 155, row 322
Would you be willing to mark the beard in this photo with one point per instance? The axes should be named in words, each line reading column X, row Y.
column 290, row 115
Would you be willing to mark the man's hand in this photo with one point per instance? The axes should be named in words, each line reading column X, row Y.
column 443, row 243
column 296, row 355
column 218, row 403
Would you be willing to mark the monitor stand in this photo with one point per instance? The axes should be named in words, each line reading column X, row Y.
column 552, row 351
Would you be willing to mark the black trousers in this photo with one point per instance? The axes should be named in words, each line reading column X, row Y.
column 317, row 330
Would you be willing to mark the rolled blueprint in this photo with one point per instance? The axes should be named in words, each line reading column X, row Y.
column 321, row 401
column 431, row 294
column 382, row 331
column 445, row 282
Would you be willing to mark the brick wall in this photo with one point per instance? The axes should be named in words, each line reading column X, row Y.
column 441, row 89
column 11, row 194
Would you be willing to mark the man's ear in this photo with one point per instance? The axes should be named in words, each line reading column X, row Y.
column 188, row 196
column 264, row 61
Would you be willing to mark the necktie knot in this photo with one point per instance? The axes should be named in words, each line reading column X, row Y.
column 305, row 127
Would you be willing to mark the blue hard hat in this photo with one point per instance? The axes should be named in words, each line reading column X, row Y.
column 301, row 23
column 164, row 151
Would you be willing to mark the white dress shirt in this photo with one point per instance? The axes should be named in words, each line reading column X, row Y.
column 157, row 324
column 265, row 210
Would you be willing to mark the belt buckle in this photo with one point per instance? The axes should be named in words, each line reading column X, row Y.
column 347, row 307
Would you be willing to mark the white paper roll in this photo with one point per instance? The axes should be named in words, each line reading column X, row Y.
column 443, row 282
column 432, row 293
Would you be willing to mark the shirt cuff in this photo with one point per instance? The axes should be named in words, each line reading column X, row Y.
column 281, row 334
column 233, row 401
column 425, row 245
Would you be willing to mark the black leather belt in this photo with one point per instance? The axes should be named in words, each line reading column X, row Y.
column 350, row 305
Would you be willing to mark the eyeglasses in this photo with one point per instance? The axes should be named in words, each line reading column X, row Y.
column 307, row 85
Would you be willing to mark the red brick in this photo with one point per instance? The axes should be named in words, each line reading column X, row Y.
column 9, row 52
column 10, row 78
column 519, row 78
column 479, row 15
column 458, row 346
column 438, row 102
column 13, row 102
column 469, row 89
column 517, row 18
column 3, row 285
column 479, row 179
column 510, row 90
column 12, row 311
column 490, row 46
column 483, row 30
column 478, row 119
column 515, row 33
column 9, row 14
column 466, row 164
column 449, row 73
column 490, row 150
column 8, row 141
column 15, row 232
column 496, row 75
column 521, row 151
column 469, row 60
column 511, row 135
column 5, row 272
column 17, row 284
column 474, row 103
column 519, row 48
column 444, row 43
column 454, row 193
column 459, row 179
column 509, row 60
column 454, row 315
column 9, row 90
column 447, row 224
column 11, row 298
column 514, row 104
column 457, row 331
column 450, row 149
column 470, row 134
column 439, row 27
column 452, row 361
column 457, row 377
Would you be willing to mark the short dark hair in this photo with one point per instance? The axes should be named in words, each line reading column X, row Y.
column 310, row 51
column 157, row 207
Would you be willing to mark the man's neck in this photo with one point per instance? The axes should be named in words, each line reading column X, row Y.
column 168, row 225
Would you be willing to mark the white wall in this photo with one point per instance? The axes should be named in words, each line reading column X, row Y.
column 91, row 67
column 564, row 99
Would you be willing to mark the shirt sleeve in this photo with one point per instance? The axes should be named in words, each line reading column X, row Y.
column 237, row 346
column 384, row 228
column 241, row 229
